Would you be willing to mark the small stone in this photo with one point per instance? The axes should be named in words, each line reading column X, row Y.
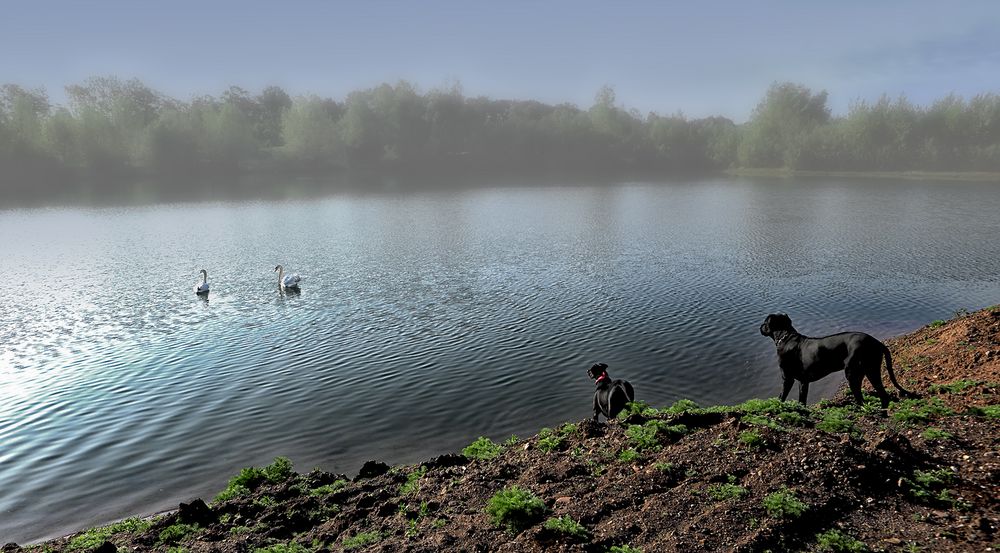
column 563, row 499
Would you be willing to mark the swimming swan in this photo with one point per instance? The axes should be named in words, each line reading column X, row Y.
column 287, row 281
column 202, row 287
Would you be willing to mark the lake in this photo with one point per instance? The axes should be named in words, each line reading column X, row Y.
column 429, row 318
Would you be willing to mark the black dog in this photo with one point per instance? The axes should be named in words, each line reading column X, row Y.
column 808, row 359
column 611, row 395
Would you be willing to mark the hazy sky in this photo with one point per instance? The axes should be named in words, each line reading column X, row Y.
column 702, row 58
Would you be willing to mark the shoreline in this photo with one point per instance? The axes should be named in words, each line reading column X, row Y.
column 676, row 478
column 958, row 176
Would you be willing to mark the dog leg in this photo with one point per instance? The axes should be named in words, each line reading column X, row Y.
column 803, row 391
column 786, row 386
column 876, row 380
column 597, row 408
column 854, row 381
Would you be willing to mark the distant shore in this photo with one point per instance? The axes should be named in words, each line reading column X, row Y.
column 964, row 176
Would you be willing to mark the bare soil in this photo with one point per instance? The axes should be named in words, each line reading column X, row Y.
column 861, row 474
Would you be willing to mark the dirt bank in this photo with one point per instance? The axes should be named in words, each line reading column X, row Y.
column 925, row 476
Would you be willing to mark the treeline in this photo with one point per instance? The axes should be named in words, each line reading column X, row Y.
column 115, row 128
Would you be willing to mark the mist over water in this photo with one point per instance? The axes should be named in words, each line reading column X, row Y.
column 427, row 319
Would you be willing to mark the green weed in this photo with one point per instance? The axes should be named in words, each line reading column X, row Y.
column 250, row 478
column 628, row 455
column 935, row 434
column 176, row 532
column 988, row 411
column 96, row 536
column 681, row 406
column 930, row 487
column 919, row 410
column 412, row 484
column 954, row 387
column 568, row 527
column 729, row 490
column 483, row 449
column 624, row 549
column 836, row 541
column 752, row 439
column 328, row 489
column 290, row 547
column 783, row 504
column 549, row 440
column 836, row 420
column 360, row 540
column 936, row 324
column 515, row 509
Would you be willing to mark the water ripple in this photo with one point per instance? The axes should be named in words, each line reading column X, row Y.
column 427, row 320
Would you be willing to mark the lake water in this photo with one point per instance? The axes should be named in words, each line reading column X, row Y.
column 427, row 319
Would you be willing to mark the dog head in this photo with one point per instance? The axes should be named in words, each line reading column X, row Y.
column 774, row 323
column 597, row 370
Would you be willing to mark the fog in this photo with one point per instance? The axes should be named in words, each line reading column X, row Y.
column 100, row 95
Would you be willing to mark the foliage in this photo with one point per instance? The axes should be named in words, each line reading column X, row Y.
column 483, row 449
column 752, row 439
column 628, row 455
column 360, row 540
column 290, row 547
column 638, row 407
column 989, row 411
column 176, row 532
column 568, row 527
column 836, row 541
column 836, row 420
column 250, row 478
column 412, row 484
column 784, row 504
column 728, row 490
column 96, row 536
column 935, row 434
column 920, row 410
column 328, row 489
column 515, row 509
column 681, row 406
column 113, row 128
column 954, row 387
column 624, row 549
column 930, row 487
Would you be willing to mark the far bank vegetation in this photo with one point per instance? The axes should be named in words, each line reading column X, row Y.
column 123, row 128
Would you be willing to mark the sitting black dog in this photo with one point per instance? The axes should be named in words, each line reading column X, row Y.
column 611, row 395
column 808, row 359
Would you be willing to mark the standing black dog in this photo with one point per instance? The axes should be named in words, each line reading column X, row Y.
column 808, row 359
column 611, row 395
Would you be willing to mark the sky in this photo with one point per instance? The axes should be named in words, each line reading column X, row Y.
column 697, row 58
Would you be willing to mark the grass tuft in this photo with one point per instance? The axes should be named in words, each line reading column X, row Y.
column 250, row 478
column 483, row 449
column 783, row 504
column 836, row 541
column 361, row 540
column 515, row 509
column 568, row 527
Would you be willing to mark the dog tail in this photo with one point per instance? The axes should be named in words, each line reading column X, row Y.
column 892, row 375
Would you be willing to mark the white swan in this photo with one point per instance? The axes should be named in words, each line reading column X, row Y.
column 202, row 287
column 287, row 281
